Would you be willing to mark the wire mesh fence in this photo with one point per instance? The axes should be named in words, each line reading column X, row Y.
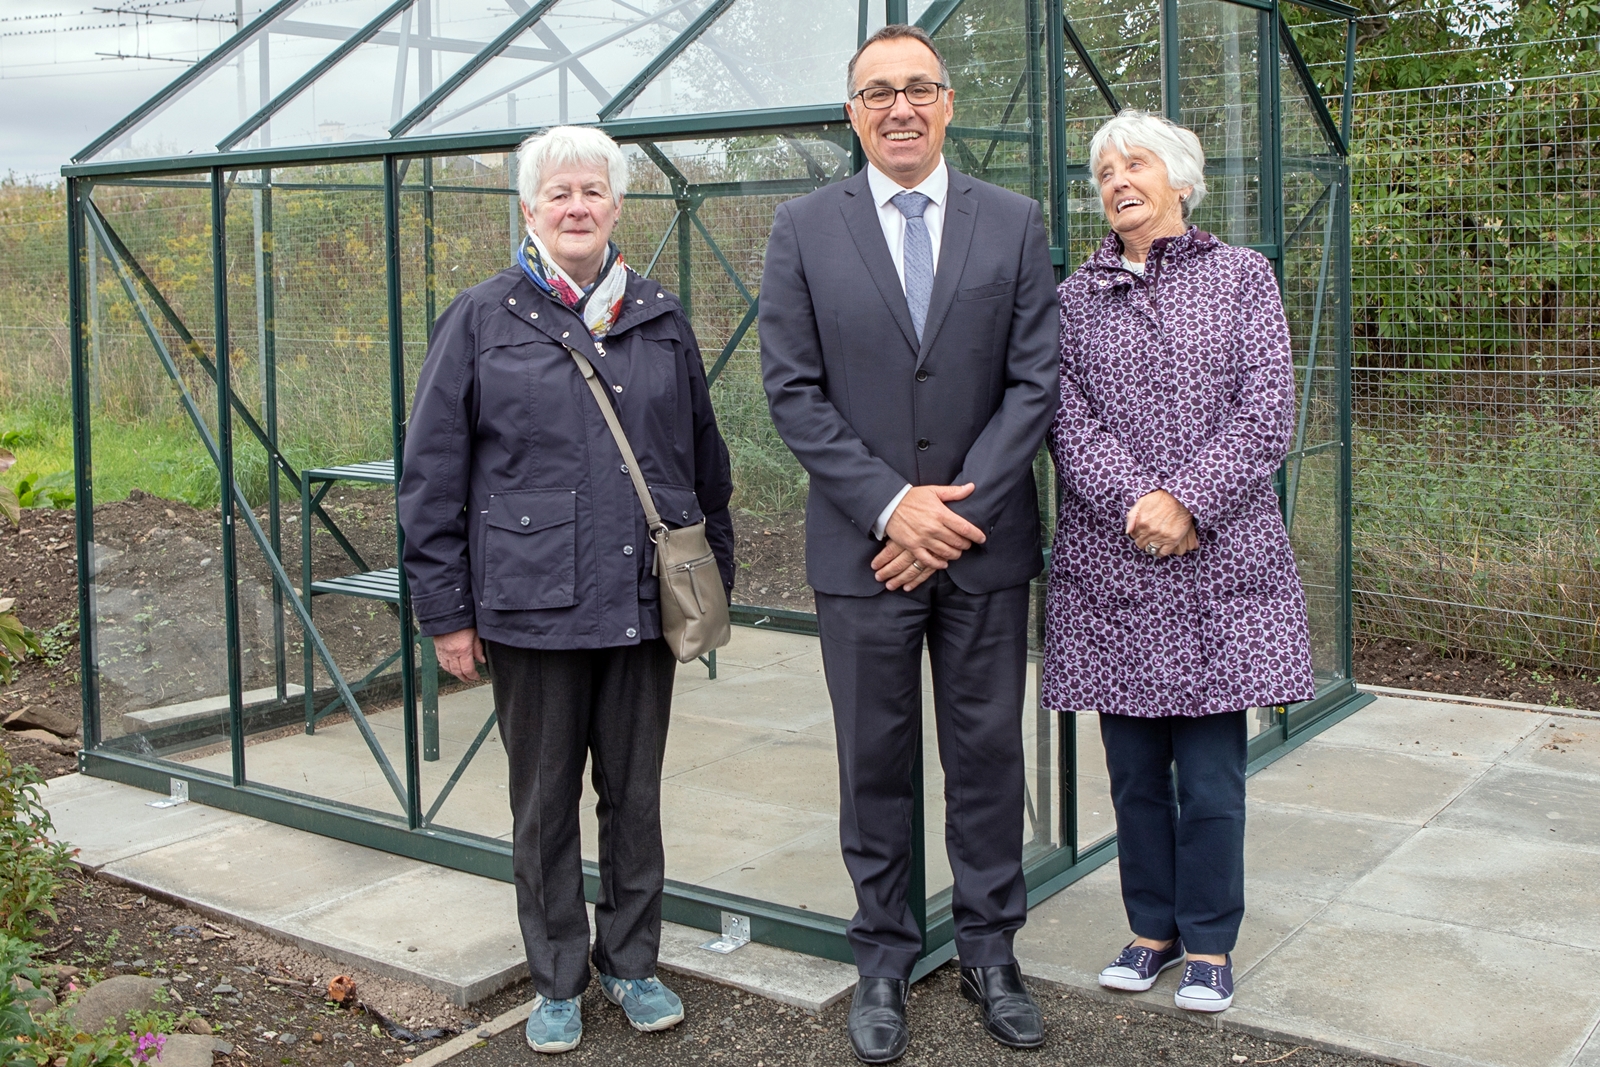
column 1476, row 380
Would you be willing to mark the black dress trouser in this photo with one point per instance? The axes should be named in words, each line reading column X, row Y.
column 978, row 653
column 557, row 708
column 1181, row 856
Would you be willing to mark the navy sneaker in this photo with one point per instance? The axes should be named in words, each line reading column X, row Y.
column 1205, row 986
column 1138, row 967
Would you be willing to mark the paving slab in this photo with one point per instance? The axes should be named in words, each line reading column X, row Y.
column 1590, row 1055
column 1312, row 854
column 1358, row 781
column 1568, row 746
column 1427, row 728
column 107, row 821
column 1531, row 888
column 1530, row 804
column 1438, row 992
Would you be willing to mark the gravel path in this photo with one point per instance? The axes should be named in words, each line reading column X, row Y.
column 725, row 1027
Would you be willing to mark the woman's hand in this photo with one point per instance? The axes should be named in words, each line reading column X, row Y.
column 460, row 653
column 1158, row 519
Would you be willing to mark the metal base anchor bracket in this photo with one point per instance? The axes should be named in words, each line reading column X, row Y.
column 179, row 795
column 735, row 934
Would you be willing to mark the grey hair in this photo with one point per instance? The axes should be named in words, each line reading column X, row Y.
column 895, row 31
column 1178, row 148
column 563, row 146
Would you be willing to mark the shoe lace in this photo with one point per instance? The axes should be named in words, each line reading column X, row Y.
column 1133, row 956
column 557, row 1010
column 1199, row 972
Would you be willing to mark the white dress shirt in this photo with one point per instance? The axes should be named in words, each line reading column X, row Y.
column 936, row 187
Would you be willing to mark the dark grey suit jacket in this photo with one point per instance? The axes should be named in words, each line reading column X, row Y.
column 866, row 409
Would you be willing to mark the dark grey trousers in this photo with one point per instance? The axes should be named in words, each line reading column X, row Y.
column 872, row 656
column 556, row 708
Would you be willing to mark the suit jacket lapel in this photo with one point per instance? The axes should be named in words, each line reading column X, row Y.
column 861, row 219
column 960, row 216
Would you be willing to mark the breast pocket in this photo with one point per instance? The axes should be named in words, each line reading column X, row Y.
column 529, row 550
column 984, row 292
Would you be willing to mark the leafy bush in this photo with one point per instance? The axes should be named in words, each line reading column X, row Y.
column 16, row 640
column 50, row 1039
column 31, row 864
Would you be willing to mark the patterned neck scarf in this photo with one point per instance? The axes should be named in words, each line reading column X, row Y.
column 598, row 305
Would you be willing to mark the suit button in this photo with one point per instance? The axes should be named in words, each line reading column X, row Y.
column 524, row 520
column 922, row 444
column 922, row 375
column 627, row 550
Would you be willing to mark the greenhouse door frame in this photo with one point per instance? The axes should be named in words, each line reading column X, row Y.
column 412, row 835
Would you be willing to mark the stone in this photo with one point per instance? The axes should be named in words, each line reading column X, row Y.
column 287, row 1039
column 186, row 1050
column 108, row 1003
column 199, row 1026
column 58, row 723
column 223, row 989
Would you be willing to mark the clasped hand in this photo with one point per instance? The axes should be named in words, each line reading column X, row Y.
column 1158, row 519
column 924, row 535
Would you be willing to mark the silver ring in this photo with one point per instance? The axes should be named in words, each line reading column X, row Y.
column 917, row 564
column 1151, row 549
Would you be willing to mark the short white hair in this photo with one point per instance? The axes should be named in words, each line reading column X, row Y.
column 563, row 146
column 1178, row 148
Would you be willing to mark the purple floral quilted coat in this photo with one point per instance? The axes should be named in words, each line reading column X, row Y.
column 1180, row 380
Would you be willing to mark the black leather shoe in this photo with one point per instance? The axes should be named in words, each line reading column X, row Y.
column 878, row 1030
column 1009, row 1012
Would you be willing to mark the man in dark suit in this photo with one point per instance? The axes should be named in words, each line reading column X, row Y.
column 909, row 334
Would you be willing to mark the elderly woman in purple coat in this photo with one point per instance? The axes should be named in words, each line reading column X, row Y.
column 1174, row 604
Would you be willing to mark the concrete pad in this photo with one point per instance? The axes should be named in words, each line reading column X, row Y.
column 756, row 647
column 1531, row 888
column 1312, row 854
column 1531, row 805
column 807, row 873
column 1486, row 997
column 463, row 928
column 108, row 821
column 258, row 871
column 692, row 676
column 1355, row 781
column 1590, row 1054
column 1428, row 728
column 190, row 710
column 1569, row 746
column 694, row 741
column 705, row 833
column 774, row 699
column 804, row 982
column 796, row 771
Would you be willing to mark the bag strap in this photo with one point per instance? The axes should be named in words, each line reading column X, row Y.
column 652, row 517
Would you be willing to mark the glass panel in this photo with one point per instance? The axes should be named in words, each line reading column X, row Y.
column 1220, row 90
column 1316, row 534
column 994, row 51
column 565, row 67
column 256, row 70
column 756, row 55
column 1096, row 819
column 156, row 595
column 1123, row 37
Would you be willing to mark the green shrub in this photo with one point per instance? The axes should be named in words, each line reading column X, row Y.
column 31, row 864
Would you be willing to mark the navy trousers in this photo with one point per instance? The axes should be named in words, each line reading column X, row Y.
column 1181, row 856
column 978, row 655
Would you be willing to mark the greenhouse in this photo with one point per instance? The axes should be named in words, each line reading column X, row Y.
column 260, row 251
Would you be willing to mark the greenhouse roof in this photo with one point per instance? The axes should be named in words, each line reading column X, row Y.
column 342, row 79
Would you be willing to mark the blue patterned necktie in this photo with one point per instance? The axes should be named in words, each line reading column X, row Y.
column 918, row 256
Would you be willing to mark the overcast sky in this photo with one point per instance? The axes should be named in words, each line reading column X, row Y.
column 69, row 69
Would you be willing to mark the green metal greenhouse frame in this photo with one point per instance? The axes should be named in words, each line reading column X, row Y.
column 1059, row 61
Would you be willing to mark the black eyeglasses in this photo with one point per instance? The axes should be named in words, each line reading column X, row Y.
column 918, row 94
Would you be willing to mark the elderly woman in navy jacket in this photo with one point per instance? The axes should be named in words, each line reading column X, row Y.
column 526, row 548
column 1174, row 603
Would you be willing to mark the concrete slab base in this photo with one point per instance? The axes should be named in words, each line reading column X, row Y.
column 452, row 932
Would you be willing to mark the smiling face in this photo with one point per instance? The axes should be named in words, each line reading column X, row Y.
column 574, row 214
column 1138, row 198
column 902, row 141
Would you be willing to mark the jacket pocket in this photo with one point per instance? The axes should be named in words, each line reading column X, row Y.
column 981, row 292
column 529, row 550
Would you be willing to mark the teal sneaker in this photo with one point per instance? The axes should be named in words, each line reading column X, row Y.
column 648, row 1004
column 555, row 1025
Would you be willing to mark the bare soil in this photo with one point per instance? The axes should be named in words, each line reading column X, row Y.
column 1412, row 665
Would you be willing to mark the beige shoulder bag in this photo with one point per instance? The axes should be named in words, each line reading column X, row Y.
column 694, row 608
